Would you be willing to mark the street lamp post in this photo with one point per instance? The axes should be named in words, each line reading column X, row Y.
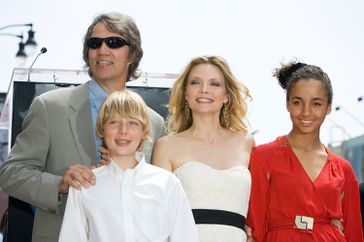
column 25, row 49
column 21, row 51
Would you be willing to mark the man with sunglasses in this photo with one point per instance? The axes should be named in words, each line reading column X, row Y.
column 58, row 146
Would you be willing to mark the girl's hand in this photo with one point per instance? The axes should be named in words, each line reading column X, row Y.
column 249, row 234
column 339, row 224
column 105, row 157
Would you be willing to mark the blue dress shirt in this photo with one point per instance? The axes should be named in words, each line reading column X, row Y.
column 97, row 96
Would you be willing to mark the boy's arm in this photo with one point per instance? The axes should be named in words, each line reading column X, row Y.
column 182, row 224
column 74, row 225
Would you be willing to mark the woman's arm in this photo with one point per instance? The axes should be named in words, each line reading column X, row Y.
column 351, row 207
column 258, row 198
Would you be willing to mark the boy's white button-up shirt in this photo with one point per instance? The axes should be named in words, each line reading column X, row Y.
column 146, row 203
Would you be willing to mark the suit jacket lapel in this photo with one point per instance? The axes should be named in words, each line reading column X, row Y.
column 81, row 124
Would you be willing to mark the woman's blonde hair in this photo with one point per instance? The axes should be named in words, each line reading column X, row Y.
column 180, row 120
column 126, row 104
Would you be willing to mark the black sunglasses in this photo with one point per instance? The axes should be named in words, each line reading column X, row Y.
column 112, row 42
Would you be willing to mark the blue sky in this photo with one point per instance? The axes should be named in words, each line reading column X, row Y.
column 253, row 36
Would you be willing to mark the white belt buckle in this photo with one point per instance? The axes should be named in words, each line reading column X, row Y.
column 304, row 222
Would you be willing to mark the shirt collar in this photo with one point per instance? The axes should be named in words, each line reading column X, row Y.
column 97, row 94
column 118, row 173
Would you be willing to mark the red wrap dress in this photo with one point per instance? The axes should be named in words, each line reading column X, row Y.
column 286, row 205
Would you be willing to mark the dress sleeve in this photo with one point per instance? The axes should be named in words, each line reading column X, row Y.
column 258, row 199
column 182, row 224
column 351, row 207
column 74, row 225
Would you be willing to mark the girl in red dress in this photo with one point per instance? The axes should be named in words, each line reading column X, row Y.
column 301, row 191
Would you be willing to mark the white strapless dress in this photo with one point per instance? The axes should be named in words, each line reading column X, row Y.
column 209, row 188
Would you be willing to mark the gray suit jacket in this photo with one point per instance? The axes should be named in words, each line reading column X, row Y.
column 57, row 133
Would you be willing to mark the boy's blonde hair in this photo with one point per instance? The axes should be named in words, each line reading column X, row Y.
column 126, row 104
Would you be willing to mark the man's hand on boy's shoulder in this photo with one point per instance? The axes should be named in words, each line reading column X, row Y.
column 77, row 176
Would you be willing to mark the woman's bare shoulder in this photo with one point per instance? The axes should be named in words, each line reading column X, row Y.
column 168, row 141
column 244, row 139
column 166, row 150
column 244, row 136
column 250, row 140
column 167, row 138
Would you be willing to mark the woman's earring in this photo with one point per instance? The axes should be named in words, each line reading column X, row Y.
column 226, row 114
column 187, row 111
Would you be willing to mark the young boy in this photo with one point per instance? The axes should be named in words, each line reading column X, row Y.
column 132, row 200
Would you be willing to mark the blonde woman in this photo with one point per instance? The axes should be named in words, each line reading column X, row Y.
column 208, row 147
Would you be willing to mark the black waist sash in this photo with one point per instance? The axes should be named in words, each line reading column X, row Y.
column 212, row 216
